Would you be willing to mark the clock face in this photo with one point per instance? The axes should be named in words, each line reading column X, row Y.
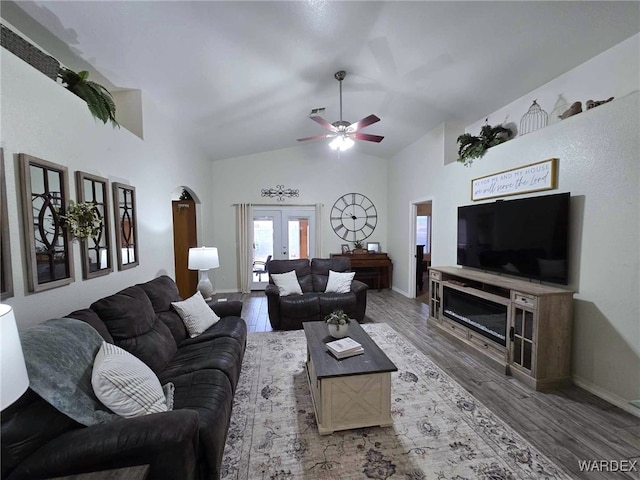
column 353, row 217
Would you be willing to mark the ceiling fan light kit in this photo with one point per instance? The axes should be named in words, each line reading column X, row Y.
column 343, row 133
column 341, row 142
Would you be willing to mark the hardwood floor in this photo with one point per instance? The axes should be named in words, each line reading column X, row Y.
column 568, row 425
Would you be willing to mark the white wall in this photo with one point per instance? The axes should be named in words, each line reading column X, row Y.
column 321, row 176
column 598, row 164
column 613, row 73
column 41, row 118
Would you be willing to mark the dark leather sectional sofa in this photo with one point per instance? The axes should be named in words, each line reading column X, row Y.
column 288, row 312
column 187, row 443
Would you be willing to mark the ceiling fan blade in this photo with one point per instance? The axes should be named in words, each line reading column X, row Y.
column 368, row 137
column 323, row 122
column 365, row 122
column 316, row 137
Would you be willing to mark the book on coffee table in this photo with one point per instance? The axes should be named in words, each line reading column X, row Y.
column 345, row 347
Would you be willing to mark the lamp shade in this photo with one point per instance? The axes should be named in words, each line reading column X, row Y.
column 14, row 380
column 203, row 258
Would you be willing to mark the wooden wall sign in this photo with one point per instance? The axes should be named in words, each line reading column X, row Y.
column 534, row 177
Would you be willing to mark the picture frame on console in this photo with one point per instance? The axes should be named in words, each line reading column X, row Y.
column 345, row 248
column 373, row 247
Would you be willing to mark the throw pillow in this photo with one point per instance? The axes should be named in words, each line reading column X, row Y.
column 339, row 282
column 125, row 384
column 169, row 390
column 196, row 314
column 287, row 283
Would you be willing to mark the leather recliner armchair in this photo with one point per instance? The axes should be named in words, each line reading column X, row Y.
column 288, row 312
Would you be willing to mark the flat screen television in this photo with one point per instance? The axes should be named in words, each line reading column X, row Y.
column 527, row 237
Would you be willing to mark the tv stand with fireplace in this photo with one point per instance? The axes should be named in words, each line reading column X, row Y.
column 523, row 328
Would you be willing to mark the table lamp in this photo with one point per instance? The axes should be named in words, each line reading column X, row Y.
column 14, row 380
column 203, row 259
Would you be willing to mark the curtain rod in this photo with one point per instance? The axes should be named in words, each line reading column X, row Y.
column 280, row 204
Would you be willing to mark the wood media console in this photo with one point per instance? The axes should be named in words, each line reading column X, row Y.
column 522, row 327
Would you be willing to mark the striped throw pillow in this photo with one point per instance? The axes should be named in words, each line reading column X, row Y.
column 124, row 384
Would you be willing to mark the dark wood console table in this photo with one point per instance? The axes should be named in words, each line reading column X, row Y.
column 374, row 269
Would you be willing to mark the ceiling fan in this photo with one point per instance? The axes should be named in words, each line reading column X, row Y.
column 343, row 132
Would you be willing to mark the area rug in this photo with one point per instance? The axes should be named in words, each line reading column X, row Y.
column 439, row 430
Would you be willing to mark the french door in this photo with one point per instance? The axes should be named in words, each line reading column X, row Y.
column 280, row 233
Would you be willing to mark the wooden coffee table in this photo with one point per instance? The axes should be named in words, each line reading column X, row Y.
column 354, row 392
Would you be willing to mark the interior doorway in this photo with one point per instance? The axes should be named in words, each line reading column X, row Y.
column 185, row 236
column 280, row 233
column 422, row 226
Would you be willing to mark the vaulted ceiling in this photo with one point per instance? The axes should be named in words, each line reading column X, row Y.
column 242, row 77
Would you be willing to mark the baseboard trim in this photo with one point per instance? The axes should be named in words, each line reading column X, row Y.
column 401, row 292
column 608, row 396
column 226, row 290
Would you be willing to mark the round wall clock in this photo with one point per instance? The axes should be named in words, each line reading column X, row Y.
column 353, row 217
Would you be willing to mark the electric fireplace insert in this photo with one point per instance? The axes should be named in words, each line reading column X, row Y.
column 478, row 314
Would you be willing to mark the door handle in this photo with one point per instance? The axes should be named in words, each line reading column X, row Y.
column 511, row 333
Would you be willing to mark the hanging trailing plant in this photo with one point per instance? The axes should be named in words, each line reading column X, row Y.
column 82, row 220
column 471, row 147
column 98, row 98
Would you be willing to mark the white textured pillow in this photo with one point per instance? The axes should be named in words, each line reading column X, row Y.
column 196, row 314
column 287, row 283
column 339, row 282
column 124, row 384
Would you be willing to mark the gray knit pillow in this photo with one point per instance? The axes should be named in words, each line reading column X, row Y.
column 196, row 314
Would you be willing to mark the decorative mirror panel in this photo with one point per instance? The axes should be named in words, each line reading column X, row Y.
column 96, row 251
column 45, row 187
column 124, row 201
column 6, row 278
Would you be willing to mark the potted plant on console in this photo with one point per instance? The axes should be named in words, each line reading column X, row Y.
column 338, row 323
column 358, row 247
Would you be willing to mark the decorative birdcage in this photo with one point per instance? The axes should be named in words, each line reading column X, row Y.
column 534, row 119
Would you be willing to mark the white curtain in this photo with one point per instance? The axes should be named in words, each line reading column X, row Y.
column 319, row 252
column 244, row 233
